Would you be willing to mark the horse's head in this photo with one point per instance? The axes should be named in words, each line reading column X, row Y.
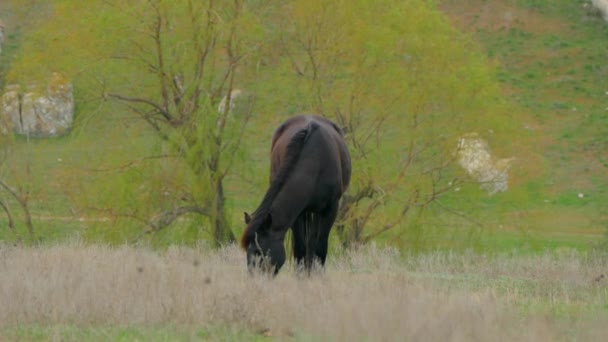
column 265, row 250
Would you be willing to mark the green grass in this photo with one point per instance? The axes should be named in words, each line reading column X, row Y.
column 559, row 79
column 548, row 72
column 127, row 333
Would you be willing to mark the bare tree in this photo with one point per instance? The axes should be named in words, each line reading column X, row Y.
column 193, row 50
column 22, row 198
column 13, row 194
column 374, row 90
column 372, row 192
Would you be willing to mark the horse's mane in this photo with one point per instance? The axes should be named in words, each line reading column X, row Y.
column 292, row 154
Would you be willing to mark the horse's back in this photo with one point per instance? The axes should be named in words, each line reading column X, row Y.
column 325, row 153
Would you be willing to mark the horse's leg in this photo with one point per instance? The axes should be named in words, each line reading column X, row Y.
column 298, row 230
column 311, row 236
column 324, row 222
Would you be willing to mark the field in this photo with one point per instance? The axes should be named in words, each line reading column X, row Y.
column 75, row 292
column 552, row 63
column 527, row 264
column 558, row 180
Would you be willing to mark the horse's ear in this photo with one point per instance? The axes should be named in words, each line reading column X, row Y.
column 247, row 218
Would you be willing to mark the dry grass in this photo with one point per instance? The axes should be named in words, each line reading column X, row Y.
column 369, row 294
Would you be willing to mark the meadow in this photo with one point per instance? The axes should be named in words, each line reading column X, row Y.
column 554, row 127
column 75, row 292
column 527, row 264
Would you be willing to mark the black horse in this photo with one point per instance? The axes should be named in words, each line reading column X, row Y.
column 310, row 170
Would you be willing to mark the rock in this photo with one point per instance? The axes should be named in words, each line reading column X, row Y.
column 476, row 159
column 10, row 103
column 597, row 8
column 234, row 95
column 33, row 114
column 1, row 34
column 241, row 104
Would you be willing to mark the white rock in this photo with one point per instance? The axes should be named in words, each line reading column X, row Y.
column 38, row 114
column 475, row 157
column 602, row 6
column 1, row 34
column 234, row 95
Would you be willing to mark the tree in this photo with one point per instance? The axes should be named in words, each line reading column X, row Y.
column 194, row 49
column 169, row 63
column 10, row 194
column 402, row 83
column 404, row 86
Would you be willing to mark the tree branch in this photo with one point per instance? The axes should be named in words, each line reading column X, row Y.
column 160, row 59
column 158, row 108
column 9, row 216
column 166, row 218
column 130, row 164
column 22, row 200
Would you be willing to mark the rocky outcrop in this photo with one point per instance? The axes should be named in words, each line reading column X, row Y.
column 238, row 108
column 234, row 95
column 1, row 35
column 476, row 159
column 600, row 6
column 36, row 113
column 240, row 103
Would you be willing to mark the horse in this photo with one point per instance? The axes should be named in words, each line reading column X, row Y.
column 310, row 169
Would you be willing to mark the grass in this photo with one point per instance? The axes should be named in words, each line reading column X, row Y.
column 78, row 292
column 531, row 271
column 133, row 333
column 551, row 60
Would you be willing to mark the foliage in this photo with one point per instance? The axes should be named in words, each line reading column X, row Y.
column 404, row 90
column 560, row 91
column 15, row 189
column 401, row 81
column 173, row 70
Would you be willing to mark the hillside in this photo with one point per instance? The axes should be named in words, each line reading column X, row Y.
column 552, row 60
column 458, row 263
column 550, row 65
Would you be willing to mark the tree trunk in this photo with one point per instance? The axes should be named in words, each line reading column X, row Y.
column 222, row 234
column 22, row 199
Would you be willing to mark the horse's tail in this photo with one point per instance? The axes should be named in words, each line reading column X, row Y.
column 292, row 154
column 293, row 150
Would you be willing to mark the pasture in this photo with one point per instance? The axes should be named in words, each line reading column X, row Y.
column 76, row 292
column 528, row 264
column 102, row 179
